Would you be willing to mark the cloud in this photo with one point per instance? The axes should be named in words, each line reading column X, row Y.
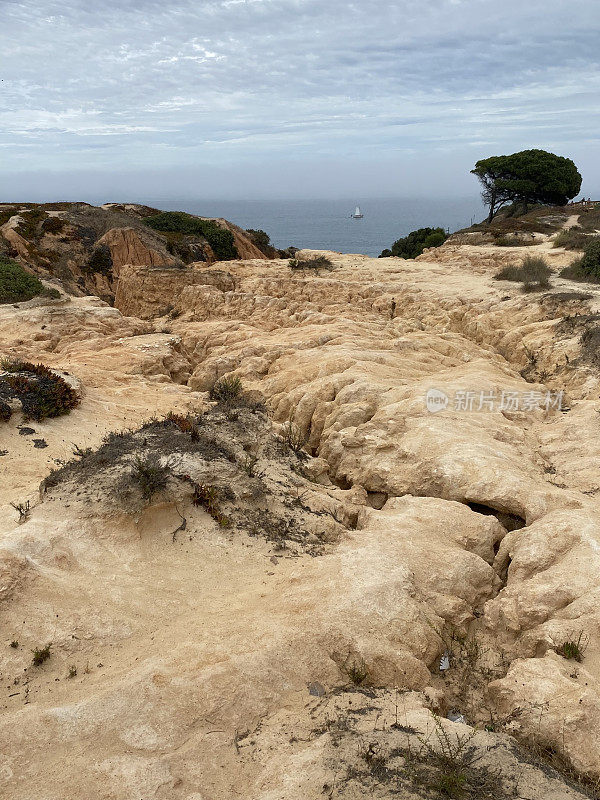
column 187, row 83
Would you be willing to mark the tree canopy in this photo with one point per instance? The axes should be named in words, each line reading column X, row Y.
column 413, row 245
column 530, row 176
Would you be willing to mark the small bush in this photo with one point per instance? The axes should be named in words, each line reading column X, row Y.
column 294, row 438
column 590, row 261
column 533, row 274
column 24, row 510
column 72, row 671
column 150, row 475
column 16, row 285
column 41, row 654
column 14, row 644
column 5, row 411
column 574, row 649
column 42, row 393
column 53, row 225
column 226, row 390
column 208, row 498
column 260, row 238
column 186, row 424
column 100, row 261
column 316, row 263
column 413, row 245
column 357, row 670
column 513, row 241
column 453, row 756
column 221, row 240
column 28, row 227
column 6, row 214
column 572, row 239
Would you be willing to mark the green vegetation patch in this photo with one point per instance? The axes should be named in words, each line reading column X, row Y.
column 6, row 214
column 30, row 224
column 416, row 242
column 41, row 391
column 586, row 268
column 573, row 239
column 221, row 240
column 54, row 225
column 100, row 261
column 316, row 263
column 16, row 285
column 533, row 273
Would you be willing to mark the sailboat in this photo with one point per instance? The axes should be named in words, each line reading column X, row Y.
column 358, row 213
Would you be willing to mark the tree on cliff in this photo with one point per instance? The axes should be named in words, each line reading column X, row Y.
column 413, row 245
column 531, row 176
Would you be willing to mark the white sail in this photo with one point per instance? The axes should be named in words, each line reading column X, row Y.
column 358, row 213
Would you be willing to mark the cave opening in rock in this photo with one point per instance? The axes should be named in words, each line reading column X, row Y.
column 376, row 500
column 512, row 522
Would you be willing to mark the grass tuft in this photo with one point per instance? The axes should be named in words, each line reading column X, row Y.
column 315, row 263
column 150, row 475
column 226, row 390
column 574, row 649
column 41, row 654
column 533, row 274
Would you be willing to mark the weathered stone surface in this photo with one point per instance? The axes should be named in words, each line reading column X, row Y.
column 471, row 533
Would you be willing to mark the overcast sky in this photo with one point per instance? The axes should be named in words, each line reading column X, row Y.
column 140, row 99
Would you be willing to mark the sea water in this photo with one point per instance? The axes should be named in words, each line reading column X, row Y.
column 328, row 224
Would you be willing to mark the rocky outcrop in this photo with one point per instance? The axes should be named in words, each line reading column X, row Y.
column 82, row 248
column 127, row 247
column 148, row 293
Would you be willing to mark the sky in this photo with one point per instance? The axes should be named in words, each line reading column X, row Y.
column 140, row 99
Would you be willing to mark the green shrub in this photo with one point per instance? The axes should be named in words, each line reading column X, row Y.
column 100, row 260
column 28, row 227
column 316, row 263
column 42, row 392
column 5, row 411
column 16, row 285
column 533, row 274
column 574, row 649
column 513, row 241
column 572, row 239
column 53, row 225
column 226, row 390
column 6, row 214
column 413, row 245
column 40, row 654
column 150, row 475
column 590, row 262
column 208, row 498
column 260, row 238
column 220, row 239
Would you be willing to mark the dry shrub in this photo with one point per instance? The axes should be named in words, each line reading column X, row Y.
column 533, row 274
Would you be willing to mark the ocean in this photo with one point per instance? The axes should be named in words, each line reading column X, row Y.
column 327, row 224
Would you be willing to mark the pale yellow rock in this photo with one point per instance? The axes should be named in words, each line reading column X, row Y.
column 480, row 523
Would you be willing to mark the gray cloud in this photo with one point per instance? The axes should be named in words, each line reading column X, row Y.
column 166, row 94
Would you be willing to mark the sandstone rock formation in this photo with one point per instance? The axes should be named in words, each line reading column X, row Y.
column 296, row 650
column 82, row 247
